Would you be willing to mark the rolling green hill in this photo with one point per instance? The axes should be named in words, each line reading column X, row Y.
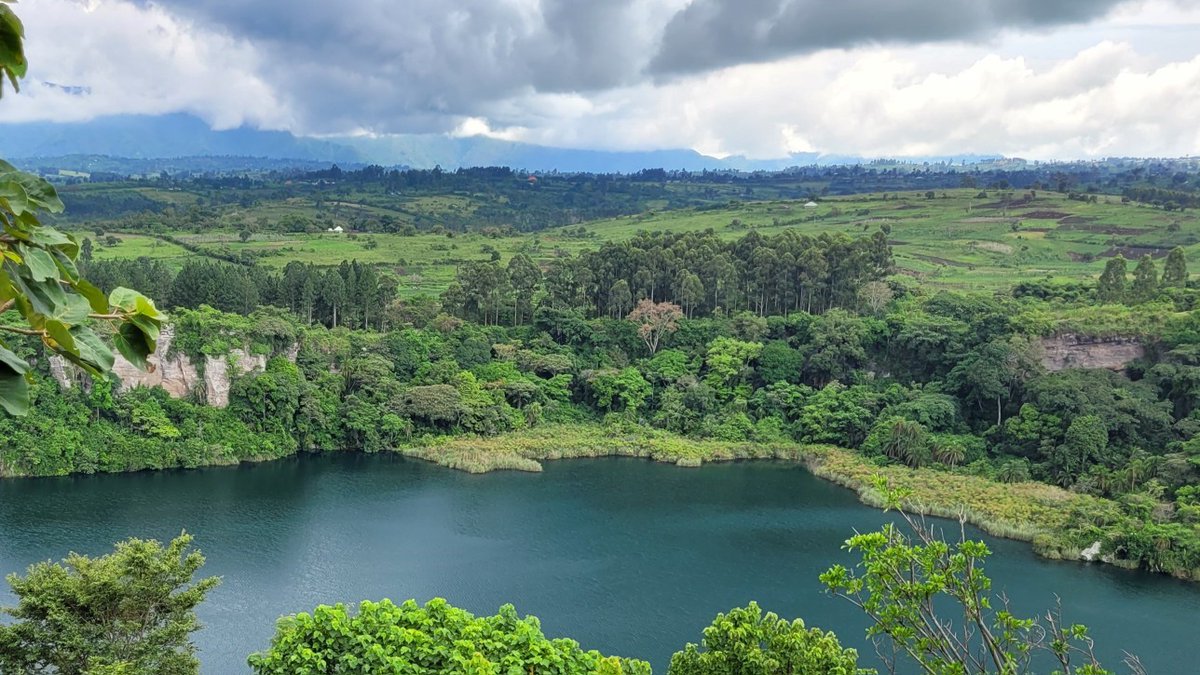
column 957, row 239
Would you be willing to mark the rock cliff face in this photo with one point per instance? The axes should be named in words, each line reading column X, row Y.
column 1075, row 351
column 175, row 372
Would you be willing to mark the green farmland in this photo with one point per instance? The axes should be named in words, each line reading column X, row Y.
column 956, row 239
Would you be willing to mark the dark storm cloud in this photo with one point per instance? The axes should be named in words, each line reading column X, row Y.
column 417, row 65
column 411, row 65
column 711, row 34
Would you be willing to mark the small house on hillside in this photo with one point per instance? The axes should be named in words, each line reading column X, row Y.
column 336, row 230
column 810, row 205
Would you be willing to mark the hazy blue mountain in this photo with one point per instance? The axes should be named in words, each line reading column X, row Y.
column 183, row 136
column 188, row 140
column 163, row 136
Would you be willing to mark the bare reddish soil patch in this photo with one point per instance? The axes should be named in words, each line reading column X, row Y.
column 940, row 261
column 1011, row 203
column 1135, row 252
column 1046, row 215
column 1108, row 229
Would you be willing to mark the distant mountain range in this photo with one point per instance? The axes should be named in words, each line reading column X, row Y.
column 180, row 136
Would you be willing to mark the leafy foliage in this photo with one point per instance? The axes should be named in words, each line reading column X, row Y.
column 431, row 639
column 747, row 642
column 904, row 587
column 130, row 612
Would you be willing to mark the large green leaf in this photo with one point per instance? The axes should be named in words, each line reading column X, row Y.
column 132, row 344
column 14, row 388
column 38, row 297
column 66, row 264
column 6, row 288
column 92, row 349
column 131, row 301
column 62, row 335
column 12, row 51
column 38, row 191
column 40, row 263
column 95, row 296
column 150, row 329
column 89, row 353
column 48, row 236
column 15, row 197
column 74, row 310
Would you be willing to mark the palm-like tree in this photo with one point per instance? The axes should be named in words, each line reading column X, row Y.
column 1013, row 471
column 950, row 454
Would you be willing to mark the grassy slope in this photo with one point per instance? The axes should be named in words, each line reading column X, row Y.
column 955, row 241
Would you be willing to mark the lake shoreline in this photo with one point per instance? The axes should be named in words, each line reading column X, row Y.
column 1048, row 517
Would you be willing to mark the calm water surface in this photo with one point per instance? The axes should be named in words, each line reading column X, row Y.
column 626, row 556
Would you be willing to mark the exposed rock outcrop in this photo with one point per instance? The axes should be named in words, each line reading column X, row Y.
column 216, row 374
column 175, row 372
column 1076, row 351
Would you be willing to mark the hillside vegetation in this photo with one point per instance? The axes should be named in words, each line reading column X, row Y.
column 957, row 239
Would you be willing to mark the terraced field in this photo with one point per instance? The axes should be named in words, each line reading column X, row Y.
column 957, row 239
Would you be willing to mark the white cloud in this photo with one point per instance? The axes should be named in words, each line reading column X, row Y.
column 1103, row 101
column 140, row 60
column 1121, row 85
column 477, row 126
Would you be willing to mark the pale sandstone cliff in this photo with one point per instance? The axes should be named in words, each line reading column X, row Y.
column 1075, row 351
column 175, row 372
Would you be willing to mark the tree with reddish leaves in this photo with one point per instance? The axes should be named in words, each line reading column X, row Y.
column 655, row 320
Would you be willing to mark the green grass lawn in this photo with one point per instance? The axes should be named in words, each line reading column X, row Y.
column 424, row 263
column 133, row 246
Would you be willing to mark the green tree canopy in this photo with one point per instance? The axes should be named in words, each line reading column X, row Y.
column 1175, row 272
column 747, row 642
column 930, row 601
column 1112, row 280
column 435, row 639
column 1145, row 279
column 129, row 613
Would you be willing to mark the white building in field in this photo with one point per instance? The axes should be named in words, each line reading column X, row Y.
column 810, row 205
column 336, row 230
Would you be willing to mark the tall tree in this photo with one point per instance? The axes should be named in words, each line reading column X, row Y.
column 619, row 298
column 526, row 278
column 1145, row 280
column 333, row 295
column 930, row 601
column 1083, row 444
column 1175, row 272
column 655, row 320
column 690, row 292
column 1112, row 280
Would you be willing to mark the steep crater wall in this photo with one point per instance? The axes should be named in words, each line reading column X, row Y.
column 1061, row 352
column 174, row 371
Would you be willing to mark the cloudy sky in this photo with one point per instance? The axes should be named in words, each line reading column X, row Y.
column 1033, row 78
